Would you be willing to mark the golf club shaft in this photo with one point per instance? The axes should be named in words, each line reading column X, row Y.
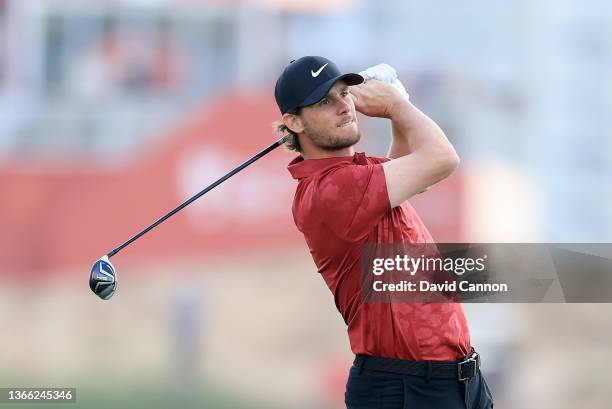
column 198, row 195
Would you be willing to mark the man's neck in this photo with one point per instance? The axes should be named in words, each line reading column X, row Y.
column 322, row 154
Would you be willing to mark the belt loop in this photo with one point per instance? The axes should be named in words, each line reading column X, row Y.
column 428, row 376
column 362, row 362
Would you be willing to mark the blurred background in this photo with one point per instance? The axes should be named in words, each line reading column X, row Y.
column 114, row 112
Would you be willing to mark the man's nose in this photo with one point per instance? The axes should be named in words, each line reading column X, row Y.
column 344, row 105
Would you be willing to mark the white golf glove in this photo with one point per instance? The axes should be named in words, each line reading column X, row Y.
column 386, row 73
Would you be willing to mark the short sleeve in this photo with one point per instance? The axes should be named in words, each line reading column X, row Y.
column 352, row 199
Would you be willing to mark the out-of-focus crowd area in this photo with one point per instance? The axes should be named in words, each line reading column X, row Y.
column 114, row 112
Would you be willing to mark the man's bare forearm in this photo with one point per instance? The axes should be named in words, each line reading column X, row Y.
column 413, row 130
column 421, row 154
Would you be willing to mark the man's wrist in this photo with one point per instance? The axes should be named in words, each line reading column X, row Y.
column 400, row 108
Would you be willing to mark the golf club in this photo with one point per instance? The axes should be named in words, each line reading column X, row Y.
column 103, row 277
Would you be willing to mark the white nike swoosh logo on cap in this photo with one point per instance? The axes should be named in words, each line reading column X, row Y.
column 315, row 74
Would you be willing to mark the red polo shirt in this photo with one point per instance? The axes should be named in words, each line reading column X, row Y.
column 341, row 203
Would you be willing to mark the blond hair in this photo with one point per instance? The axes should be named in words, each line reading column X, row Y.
column 292, row 142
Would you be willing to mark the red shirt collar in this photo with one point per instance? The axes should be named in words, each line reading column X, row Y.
column 301, row 168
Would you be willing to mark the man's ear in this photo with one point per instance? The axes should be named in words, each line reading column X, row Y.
column 293, row 122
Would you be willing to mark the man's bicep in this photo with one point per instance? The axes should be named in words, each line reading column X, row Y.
column 413, row 173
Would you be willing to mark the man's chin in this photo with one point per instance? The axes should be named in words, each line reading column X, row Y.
column 342, row 142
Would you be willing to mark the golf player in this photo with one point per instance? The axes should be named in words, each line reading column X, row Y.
column 408, row 355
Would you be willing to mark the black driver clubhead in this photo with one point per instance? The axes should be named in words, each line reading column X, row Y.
column 103, row 278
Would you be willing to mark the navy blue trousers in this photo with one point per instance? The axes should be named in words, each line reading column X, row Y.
column 367, row 389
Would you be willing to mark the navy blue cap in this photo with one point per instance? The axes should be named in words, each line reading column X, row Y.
column 307, row 80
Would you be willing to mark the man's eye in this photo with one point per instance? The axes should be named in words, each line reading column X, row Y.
column 344, row 93
column 323, row 101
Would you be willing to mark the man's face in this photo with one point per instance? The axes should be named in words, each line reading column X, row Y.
column 331, row 123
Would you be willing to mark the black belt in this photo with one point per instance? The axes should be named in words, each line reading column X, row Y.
column 461, row 370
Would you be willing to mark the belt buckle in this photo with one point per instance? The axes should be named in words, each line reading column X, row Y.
column 475, row 358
